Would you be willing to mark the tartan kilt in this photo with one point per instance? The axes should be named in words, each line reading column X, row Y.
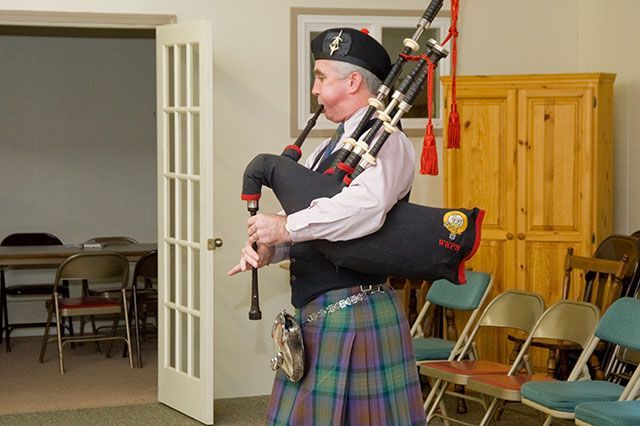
column 360, row 368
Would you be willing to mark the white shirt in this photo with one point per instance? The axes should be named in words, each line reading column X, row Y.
column 361, row 208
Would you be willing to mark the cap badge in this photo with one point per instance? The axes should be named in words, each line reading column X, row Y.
column 456, row 222
column 334, row 46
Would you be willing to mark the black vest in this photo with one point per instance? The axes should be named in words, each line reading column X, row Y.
column 312, row 274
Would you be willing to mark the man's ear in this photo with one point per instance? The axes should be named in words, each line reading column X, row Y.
column 355, row 81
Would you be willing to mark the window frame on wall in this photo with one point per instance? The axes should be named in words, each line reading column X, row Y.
column 308, row 21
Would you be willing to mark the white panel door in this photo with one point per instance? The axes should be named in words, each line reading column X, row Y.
column 184, row 58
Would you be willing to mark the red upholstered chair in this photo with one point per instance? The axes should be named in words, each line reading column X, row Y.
column 108, row 291
column 92, row 267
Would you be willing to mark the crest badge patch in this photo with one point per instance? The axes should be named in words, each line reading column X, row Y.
column 335, row 43
column 455, row 222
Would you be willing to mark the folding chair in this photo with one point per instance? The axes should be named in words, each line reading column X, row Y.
column 108, row 292
column 511, row 309
column 559, row 399
column 444, row 298
column 445, row 294
column 565, row 320
column 112, row 267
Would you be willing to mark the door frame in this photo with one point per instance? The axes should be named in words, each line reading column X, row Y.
column 84, row 19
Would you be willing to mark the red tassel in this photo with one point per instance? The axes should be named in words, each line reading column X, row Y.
column 453, row 130
column 429, row 158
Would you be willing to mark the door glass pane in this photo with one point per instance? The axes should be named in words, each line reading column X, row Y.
column 169, row 87
column 195, row 211
column 171, row 207
column 195, row 76
column 171, row 314
column 184, row 276
column 184, row 204
column 183, row 75
column 195, row 339
column 171, row 273
column 171, row 139
column 195, row 260
column 183, row 141
column 195, row 135
column 184, row 342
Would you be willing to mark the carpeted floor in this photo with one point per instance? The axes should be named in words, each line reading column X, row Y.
column 249, row 411
column 105, row 391
column 91, row 380
column 227, row 412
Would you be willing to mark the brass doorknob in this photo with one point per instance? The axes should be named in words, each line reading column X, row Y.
column 213, row 244
column 520, row 236
column 509, row 236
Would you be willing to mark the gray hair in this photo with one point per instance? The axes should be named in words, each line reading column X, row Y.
column 370, row 80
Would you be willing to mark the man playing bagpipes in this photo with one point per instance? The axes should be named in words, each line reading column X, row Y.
column 360, row 367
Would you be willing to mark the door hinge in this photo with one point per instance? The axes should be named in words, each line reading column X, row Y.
column 594, row 101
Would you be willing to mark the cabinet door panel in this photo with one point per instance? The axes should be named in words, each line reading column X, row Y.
column 554, row 177
column 481, row 173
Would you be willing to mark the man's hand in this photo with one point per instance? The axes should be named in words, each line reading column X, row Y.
column 268, row 229
column 251, row 259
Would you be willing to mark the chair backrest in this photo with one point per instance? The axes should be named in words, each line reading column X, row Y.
column 510, row 309
column 465, row 297
column 146, row 267
column 568, row 320
column 513, row 309
column 112, row 241
column 618, row 327
column 619, row 324
column 564, row 320
column 602, row 283
column 110, row 266
column 31, row 239
column 615, row 247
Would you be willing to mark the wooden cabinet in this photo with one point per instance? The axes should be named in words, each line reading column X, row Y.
column 536, row 154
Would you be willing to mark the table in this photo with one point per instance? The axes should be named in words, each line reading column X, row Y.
column 55, row 255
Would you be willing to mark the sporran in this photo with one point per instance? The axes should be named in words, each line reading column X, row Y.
column 287, row 338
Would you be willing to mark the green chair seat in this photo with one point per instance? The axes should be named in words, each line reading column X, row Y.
column 430, row 348
column 565, row 396
column 618, row 413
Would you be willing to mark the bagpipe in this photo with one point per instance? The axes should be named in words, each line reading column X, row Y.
column 415, row 241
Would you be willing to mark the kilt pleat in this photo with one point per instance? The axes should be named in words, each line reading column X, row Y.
column 360, row 367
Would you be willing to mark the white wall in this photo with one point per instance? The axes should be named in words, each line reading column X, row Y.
column 251, row 88
column 78, row 137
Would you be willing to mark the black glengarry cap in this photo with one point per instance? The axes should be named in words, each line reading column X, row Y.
column 354, row 46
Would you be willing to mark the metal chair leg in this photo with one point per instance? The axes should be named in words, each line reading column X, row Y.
column 126, row 320
column 5, row 315
column 134, row 308
column 2, row 296
column 45, row 337
column 116, row 319
column 95, row 331
column 59, row 337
